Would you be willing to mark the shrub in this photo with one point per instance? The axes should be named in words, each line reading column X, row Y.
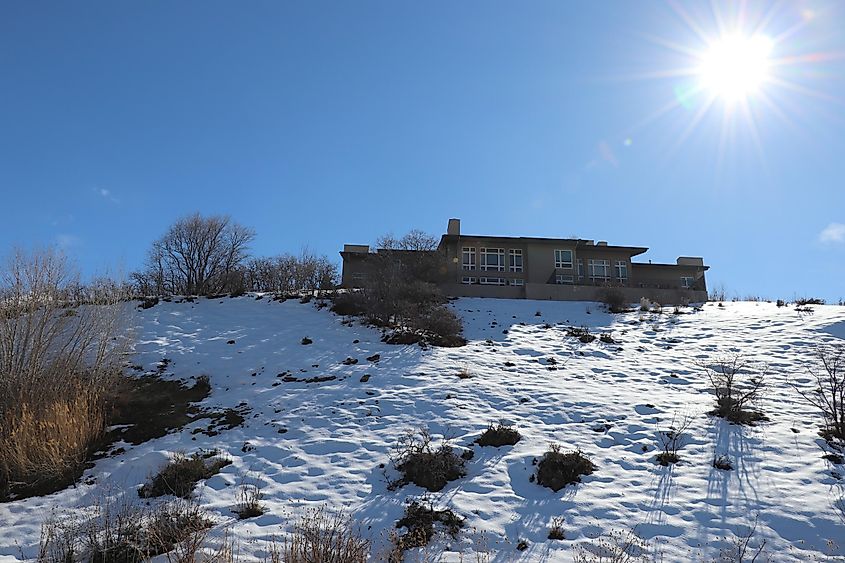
column 149, row 302
column 581, row 333
column 614, row 300
column 56, row 371
column 319, row 536
column 423, row 464
column 248, row 501
column 348, row 303
column 614, row 547
column 723, row 462
column 558, row 469
column 306, row 341
column 121, row 531
column 420, row 519
column 181, row 475
column 736, row 387
column 499, row 435
column 671, row 440
column 828, row 392
column 800, row 302
column 556, row 529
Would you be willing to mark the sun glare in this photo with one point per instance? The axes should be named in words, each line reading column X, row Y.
column 735, row 67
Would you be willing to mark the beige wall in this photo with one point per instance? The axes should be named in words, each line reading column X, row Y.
column 554, row 292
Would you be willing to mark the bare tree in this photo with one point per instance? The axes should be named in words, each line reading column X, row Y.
column 828, row 393
column 413, row 240
column 289, row 274
column 197, row 255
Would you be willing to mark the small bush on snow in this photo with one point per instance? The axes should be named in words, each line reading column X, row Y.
column 558, row 469
column 181, row 475
column 420, row 519
column 737, row 386
column 425, row 465
column 499, row 435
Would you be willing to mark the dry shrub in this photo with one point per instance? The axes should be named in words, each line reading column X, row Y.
column 499, row 435
column 558, row 469
column 828, row 391
column 425, row 465
column 118, row 530
column 181, row 475
column 249, row 503
column 614, row 300
column 737, row 386
column 56, row 370
column 420, row 519
column 323, row 536
column 614, row 547
column 672, row 439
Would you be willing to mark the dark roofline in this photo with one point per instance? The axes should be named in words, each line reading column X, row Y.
column 634, row 250
column 655, row 265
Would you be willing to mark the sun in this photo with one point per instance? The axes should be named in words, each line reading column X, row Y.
column 735, row 67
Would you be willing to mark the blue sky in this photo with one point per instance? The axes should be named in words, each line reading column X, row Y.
column 322, row 123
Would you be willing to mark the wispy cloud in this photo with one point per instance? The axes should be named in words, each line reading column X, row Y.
column 106, row 194
column 65, row 241
column 833, row 234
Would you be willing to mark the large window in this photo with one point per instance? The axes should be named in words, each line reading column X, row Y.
column 516, row 259
column 517, row 281
column 468, row 259
column 563, row 258
column 599, row 270
column 491, row 281
column 621, row 271
column 493, row 259
column 565, row 279
column 687, row 282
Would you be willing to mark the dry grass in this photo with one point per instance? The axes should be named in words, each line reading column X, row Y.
column 58, row 363
column 121, row 530
column 48, row 441
column 321, row 536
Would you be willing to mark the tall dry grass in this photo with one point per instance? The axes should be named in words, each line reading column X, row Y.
column 59, row 360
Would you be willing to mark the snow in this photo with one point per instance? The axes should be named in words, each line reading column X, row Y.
column 338, row 432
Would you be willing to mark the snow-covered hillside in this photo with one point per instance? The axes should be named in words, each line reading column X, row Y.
column 323, row 442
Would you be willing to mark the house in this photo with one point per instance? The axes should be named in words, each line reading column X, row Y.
column 542, row 268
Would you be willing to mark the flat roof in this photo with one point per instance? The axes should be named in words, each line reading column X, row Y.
column 656, row 265
column 586, row 243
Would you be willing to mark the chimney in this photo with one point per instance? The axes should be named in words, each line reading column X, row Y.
column 454, row 227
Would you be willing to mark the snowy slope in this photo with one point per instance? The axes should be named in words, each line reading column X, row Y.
column 607, row 399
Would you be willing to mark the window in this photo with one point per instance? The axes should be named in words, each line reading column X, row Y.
column 599, row 270
column 517, row 282
column 580, row 269
column 687, row 282
column 563, row 258
column 468, row 259
column 493, row 259
column 621, row 271
column 491, row 281
column 467, row 280
column 516, row 259
column 564, row 279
